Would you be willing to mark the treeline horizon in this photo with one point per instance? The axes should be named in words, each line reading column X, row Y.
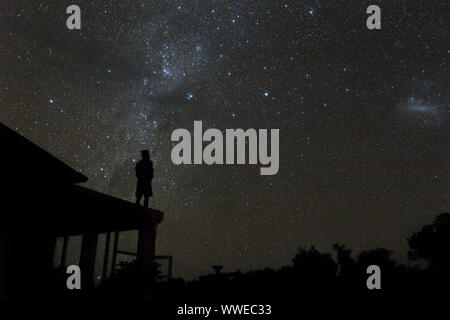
column 313, row 275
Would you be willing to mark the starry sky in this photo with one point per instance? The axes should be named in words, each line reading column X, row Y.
column 363, row 116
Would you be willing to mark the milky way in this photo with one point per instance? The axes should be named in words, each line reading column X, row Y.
column 363, row 115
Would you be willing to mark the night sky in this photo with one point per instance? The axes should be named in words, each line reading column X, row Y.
column 362, row 114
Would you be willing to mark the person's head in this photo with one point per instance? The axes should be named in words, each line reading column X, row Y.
column 145, row 155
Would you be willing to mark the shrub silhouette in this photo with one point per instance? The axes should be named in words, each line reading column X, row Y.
column 432, row 243
column 313, row 270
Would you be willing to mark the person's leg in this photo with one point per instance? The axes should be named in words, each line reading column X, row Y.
column 146, row 201
column 138, row 199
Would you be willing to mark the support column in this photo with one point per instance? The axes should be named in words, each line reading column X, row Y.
column 42, row 252
column 4, row 260
column 64, row 252
column 115, row 248
column 87, row 260
column 169, row 273
column 146, row 250
column 49, row 251
column 106, row 256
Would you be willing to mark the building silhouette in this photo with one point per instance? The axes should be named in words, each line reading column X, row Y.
column 41, row 200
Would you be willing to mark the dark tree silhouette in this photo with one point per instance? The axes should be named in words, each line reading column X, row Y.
column 314, row 270
column 381, row 257
column 432, row 243
column 307, row 261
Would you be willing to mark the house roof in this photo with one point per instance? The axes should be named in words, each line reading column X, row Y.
column 54, row 202
column 22, row 160
column 96, row 212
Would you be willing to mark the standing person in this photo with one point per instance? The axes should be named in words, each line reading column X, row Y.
column 144, row 174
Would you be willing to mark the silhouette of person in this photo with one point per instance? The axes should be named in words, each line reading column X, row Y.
column 144, row 174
